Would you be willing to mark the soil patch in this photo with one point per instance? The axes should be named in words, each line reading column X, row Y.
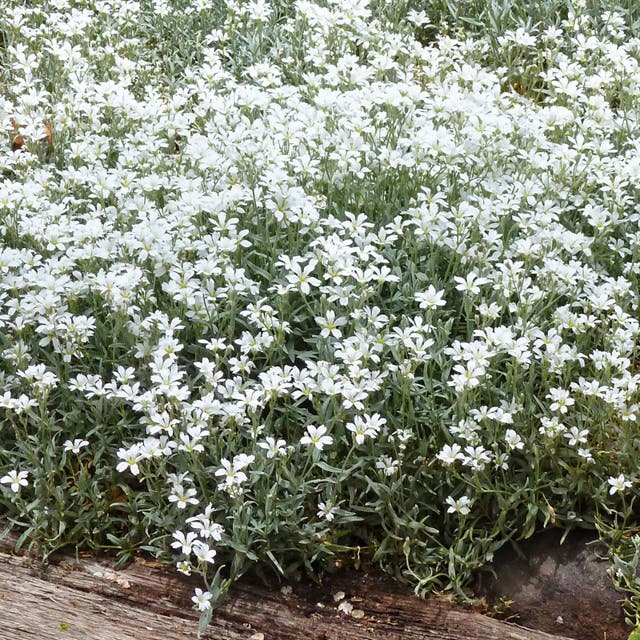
column 558, row 588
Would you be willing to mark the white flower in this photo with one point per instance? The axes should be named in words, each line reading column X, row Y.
column 513, row 440
column 205, row 527
column 387, row 465
column 619, row 484
column 330, row 324
column 366, row 426
column 183, row 497
column 130, row 458
column 462, row 505
column 477, row 457
column 586, row 454
column 560, row 400
column 316, row 436
column 551, row 427
column 76, row 446
column 17, row 480
column 450, row 453
column 184, row 542
column 231, row 473
column 326, row 510
column 203, row 552
column 466, row 377
column 202, row 599
column 430, row 299
column 575, row 436
column 274, row 448
column 301, row 277
column 470, row 283
column 502, row 461
column 418, row 18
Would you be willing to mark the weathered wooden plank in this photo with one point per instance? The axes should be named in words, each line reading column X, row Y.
column 88, row 600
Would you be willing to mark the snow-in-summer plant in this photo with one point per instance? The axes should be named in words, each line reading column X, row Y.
column 287, row 285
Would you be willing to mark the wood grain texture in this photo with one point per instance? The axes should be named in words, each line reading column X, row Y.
column 89, row 600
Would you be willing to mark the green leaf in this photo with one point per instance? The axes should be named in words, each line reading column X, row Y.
column 275, row 562
column 205, row 619
column 635, row 634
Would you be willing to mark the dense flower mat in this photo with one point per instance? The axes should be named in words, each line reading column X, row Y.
column 292, row 285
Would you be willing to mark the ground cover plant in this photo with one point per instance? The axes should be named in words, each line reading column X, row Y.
column 286, row 286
